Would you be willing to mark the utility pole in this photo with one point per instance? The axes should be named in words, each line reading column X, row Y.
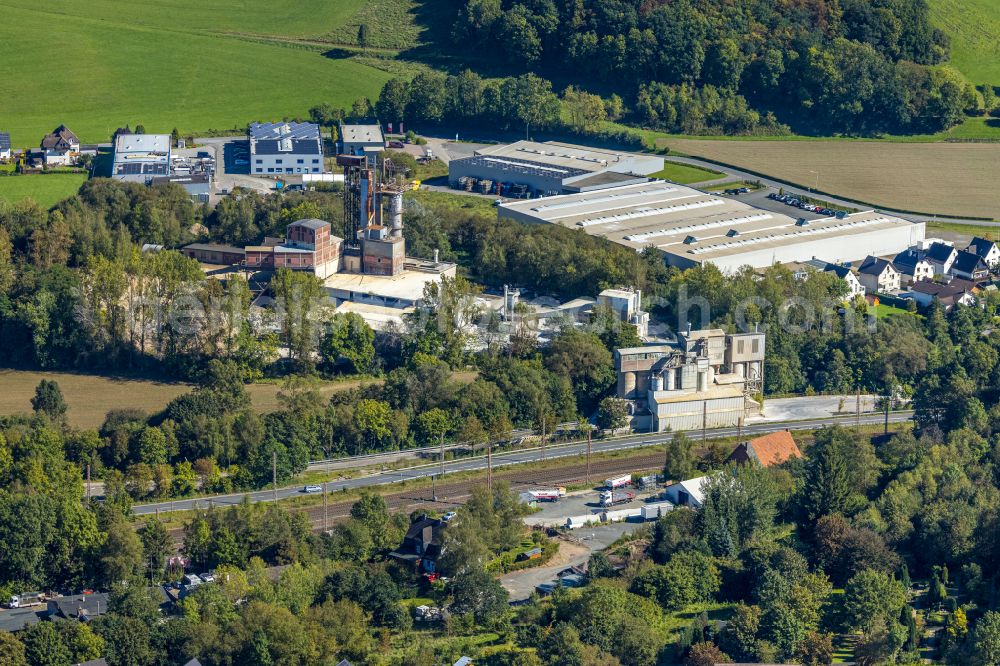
column 589, row 432
column 543, row 436
column 857, row 412
column 434, row 495
column 274, row 474
column 442, row 453
column 326, row 514
column 704, row 421
column 489, row 465
column 888, row 400
column 739, row 429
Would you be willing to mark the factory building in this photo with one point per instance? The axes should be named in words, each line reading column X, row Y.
column 530, row 169
column 627, row 306
column 706, row 379
column 361, row 139
column 308, row 245
column 141, row 157
column 692, row 227
column 281, row 148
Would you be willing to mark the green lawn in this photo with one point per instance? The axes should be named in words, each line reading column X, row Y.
column 46, row 190
column 683, row 173
column 971, row 128
column 881, row 311
column 988, row 232
column 172, row 63
column 974, row 28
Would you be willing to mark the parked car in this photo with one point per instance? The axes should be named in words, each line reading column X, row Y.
column 395, row 144
column 312, row 489
column 448, row 516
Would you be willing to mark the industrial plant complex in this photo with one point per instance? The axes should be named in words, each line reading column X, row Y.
column 692, row 227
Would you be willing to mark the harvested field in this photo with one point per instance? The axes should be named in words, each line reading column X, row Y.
column 90, row 397
column 953, row 179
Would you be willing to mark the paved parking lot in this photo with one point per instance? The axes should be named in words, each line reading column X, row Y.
column 580, row 503
column 759, row 199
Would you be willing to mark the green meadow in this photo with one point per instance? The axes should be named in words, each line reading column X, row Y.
column 188, row 64
column 47, row 190
column 974, row 28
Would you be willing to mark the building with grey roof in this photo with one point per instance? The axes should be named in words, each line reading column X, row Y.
column 691, row 227
column 987, row 250
column 197, row 185
column 282, row 148
column 16, row 619
column 141, row 157
column 545, row 169
column 83, row 607
column 361, row 139
column 5, row 151
column 970, row 266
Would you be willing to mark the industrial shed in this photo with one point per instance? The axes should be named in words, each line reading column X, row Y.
column 692, row 227
column 528, row 168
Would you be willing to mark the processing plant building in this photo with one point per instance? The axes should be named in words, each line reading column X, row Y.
column 705, row 379
column 528, row 168
column 692, row 227
column 141, row 157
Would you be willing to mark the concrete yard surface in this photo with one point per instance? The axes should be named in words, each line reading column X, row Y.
column 813, row 407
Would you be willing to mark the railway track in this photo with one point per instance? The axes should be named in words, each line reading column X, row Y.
column 452, row 494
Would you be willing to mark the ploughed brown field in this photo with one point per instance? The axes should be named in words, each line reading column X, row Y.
column 952, row 179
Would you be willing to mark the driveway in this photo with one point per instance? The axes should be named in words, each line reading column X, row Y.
column 573, row 551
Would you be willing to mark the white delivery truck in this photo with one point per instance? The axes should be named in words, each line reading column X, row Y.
column 615, row 497
column 26, row 599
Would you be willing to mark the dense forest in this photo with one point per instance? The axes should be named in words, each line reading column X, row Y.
column 696, row 66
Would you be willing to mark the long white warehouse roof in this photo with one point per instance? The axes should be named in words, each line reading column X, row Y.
column 693, row 227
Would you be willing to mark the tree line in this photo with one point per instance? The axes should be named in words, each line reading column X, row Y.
column 849, row 67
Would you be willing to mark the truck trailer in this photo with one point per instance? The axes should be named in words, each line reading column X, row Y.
column 615, row 497
column 26, row 599
column 548, row 494
column 618, row 481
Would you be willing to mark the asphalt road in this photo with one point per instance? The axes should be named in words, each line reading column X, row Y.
column 501, row 460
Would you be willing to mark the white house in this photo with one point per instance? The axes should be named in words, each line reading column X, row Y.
column 848, row 276
column 986, row 249
column 912, row 266
column 970, row 266
column 282, row 148
column 4, row 146
column 687, row 493
column 61, row 147
column 957, row 292
column 941, row 256
column 878, row 275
